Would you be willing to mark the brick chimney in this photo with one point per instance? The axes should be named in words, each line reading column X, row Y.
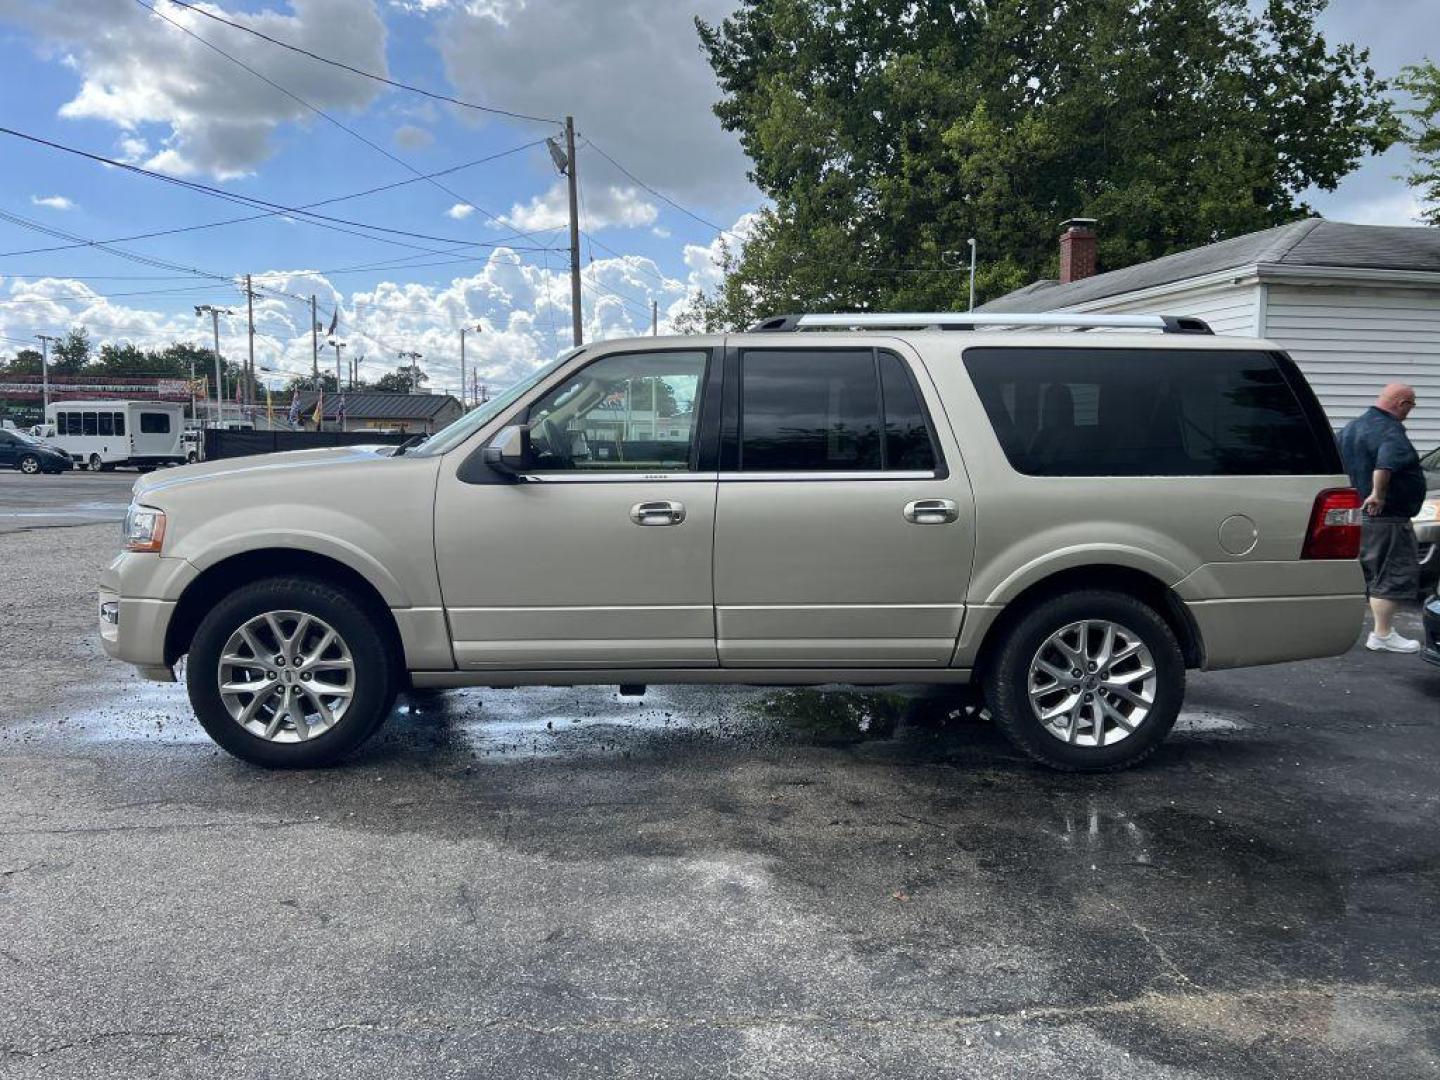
column 1078, row 250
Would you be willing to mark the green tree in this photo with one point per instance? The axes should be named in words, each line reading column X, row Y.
column 887, row 132
column 403, row 380
column 71, row 353
column 309, row 382
column 132, row 361
column 1422, row 133
column 26, row 362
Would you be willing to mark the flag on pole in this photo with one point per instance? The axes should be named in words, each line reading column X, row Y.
column 334, row 322
column 340, row 412
column 319, row 408
column 294, row 417
column 269, row 408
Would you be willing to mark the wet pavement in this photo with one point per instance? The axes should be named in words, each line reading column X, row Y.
column 60, row 499
column 741, row 882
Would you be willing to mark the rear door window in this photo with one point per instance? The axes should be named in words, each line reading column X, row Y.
column 1151, row 412
column 154, row 423
column 830, row 410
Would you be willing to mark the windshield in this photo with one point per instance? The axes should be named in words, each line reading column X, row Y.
column 451, row 436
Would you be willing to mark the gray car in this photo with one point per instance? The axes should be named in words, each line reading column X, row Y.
column 1068, row 521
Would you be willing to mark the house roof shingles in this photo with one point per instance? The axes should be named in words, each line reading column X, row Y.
column 380, row 406
column 1312, row 242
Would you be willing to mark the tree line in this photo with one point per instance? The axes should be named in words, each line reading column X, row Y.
column 76, row 355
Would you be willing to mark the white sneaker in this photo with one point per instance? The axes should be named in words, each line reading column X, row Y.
column 1392, row 642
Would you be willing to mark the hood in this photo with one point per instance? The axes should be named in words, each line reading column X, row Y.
column 209, row 471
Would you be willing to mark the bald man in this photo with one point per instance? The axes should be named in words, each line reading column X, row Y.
column 1385, row 469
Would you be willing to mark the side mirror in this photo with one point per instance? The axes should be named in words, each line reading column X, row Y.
column 509, row 451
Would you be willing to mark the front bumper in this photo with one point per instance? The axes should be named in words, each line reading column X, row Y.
column 136, row 601
column 1431, row 621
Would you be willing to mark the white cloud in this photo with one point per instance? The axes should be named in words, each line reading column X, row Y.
column 213, row 117
column 410, row 137
column 52, row 202
column 602, row 208
column 631, row 70
column 460, row 211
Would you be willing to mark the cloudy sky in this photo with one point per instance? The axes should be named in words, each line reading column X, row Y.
column 483, row 245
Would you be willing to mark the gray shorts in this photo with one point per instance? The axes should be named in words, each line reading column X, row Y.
column 1389, row 558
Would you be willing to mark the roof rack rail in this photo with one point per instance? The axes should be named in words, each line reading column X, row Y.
column 961, row 320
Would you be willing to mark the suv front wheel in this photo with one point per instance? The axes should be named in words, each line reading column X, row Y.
column 1087, row 681
column 290, row 673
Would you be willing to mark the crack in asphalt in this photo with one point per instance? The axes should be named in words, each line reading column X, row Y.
column 1149, row 1000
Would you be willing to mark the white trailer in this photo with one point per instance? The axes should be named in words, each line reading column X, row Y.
column 103, row 434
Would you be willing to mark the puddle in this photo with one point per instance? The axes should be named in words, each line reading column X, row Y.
column 552, row 722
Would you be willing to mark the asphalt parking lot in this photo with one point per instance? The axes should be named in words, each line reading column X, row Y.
column 72, row 498
column 747, row 883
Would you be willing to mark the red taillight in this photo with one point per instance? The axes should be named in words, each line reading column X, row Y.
column 1334, row 531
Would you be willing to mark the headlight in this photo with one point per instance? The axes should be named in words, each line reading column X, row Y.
column 1429, row 510
column 144, row 528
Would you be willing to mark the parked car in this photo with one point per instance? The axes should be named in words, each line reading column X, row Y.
column 1427, row 525
column 1069, row 521
column 103, row 434
column 19, row 450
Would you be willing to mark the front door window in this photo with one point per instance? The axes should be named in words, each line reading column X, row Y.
column 628, row 412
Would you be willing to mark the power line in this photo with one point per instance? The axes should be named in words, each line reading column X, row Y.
column 273, row 209
column 366, row 74
column 146, row 260
column 321, row 113
column 276, row 208
column 660, row 194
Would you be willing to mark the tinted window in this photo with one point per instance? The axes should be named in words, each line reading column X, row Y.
column 74, row 426
column 107, row 423
column 809, row 410
column 91, row 423
column 1142, row 412
column 907, row 436
column 155, row 423
column 119, row 423
column 623, row 413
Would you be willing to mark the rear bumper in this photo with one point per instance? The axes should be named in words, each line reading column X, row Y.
column 1273, row 630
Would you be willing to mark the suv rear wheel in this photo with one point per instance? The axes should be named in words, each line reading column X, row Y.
column 290, row 673
column 1088, row 681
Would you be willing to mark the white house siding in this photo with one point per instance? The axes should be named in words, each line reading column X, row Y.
column 1351, row 340
column 1229, row 309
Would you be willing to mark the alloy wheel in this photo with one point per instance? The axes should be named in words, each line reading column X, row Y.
column 286, row 676
column 30, row 465
column 1092, row 683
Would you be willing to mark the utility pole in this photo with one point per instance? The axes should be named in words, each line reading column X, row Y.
column 971, row 242
column 250, row 366
column 215, row 313
column 565, row 162
column 339, row 376
column 654, row 317
column 45, row 340
column 314, row 344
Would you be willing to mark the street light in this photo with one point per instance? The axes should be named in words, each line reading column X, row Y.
column 478, row 329
column 215, row 313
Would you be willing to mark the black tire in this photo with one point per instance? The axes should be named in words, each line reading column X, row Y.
column 1007, row 680
column 376, row 674
column 29, row 464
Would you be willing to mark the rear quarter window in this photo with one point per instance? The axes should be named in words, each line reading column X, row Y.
column 1152, row 412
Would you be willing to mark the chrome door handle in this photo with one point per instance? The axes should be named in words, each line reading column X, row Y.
column 931, row 512
column 658, row 513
